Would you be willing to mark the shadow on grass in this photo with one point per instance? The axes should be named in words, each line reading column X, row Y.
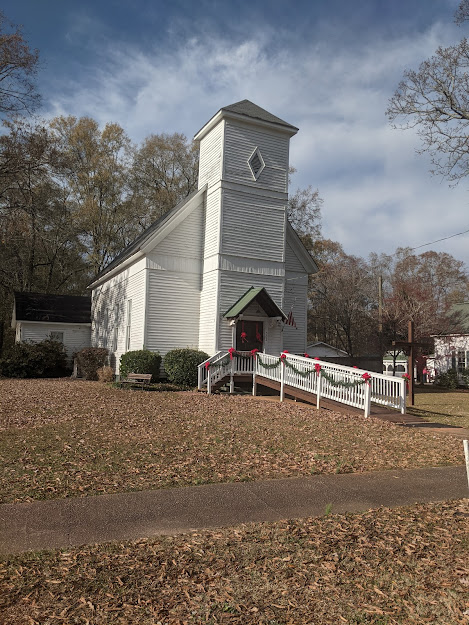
column 420, row 412
column 161, row 387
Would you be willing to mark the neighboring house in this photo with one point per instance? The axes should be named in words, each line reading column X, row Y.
column 320, row 350
column 452, row 350
column 64, row 318
column 223, row 268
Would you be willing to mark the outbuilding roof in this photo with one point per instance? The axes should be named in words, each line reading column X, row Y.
column 56, row 308
column 262, row 297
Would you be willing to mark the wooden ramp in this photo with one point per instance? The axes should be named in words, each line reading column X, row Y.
column 382, row 412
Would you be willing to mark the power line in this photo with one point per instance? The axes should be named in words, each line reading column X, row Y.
column 438, row 240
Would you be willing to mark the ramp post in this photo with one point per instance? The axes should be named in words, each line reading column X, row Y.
column 367, row 399
column 282, row 381
column 232, row 377
column 318, row 391
column 466, row 455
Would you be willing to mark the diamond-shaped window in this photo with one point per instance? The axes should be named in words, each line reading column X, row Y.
column 256, row 163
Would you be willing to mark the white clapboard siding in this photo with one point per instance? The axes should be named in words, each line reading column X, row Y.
column 212, row 222
column 253, row 226
column 76, row 336
column 173, row 311
column 185, row 240
column 211, row 154
column 109, row 312
column 295, row 300
column 232, row 286
column 241, row 141
column 292, row 262
column 208, row 312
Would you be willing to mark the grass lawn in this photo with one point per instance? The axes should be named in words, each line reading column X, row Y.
column 63, row 438
column 407, row 566
column 442, row 406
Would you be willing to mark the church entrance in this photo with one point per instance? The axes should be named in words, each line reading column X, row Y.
column 249, row 335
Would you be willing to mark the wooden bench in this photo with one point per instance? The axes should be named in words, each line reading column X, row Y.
column 137, row 379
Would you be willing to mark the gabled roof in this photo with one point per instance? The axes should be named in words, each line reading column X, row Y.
column 245, row 109
column 146, row 235
column 300, row 250
column 56, row 308
column 249, row 109
column 263, row 299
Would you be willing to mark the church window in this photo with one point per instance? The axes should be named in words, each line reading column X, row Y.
column 256, row 163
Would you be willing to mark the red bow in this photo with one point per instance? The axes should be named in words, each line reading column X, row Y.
column 366, row 376
column 306, row 355
column 318, row 367
column 254, row 351
column 232, row 351
column 244, row 337
column 207, row 365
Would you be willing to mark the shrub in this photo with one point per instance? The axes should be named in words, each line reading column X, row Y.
column 34, row 360
column 181, row 365
column 141, row 361
column 451, row 379
column 90, row 359
column 105, row 374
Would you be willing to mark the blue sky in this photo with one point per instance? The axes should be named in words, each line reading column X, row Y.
column 327, row 66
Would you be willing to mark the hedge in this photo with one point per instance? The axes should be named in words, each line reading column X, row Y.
column 90, row 360
column 140, row 361
column 181, row 365
column 46, row 359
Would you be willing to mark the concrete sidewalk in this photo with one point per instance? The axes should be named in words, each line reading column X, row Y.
column 130, row 516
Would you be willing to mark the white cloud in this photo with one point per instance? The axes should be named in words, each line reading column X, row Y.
column 377, row 193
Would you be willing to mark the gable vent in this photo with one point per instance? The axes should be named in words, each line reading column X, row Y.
column 256, row 163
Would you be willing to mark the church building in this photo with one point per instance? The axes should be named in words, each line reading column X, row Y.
column 222, row 269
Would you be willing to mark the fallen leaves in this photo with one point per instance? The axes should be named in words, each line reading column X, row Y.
column 64, row 438
column 385, row 567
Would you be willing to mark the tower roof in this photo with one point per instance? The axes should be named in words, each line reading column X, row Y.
column 246, row 109
column 249, row 109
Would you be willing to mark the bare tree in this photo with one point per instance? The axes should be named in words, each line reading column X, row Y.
column 18, row 67
column 435, row 101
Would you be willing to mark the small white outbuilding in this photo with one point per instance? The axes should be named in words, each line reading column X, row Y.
column 64, row 318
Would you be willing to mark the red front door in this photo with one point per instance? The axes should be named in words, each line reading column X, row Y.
column 249, row 335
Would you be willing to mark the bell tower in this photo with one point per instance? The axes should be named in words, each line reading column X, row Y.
column 244, row 161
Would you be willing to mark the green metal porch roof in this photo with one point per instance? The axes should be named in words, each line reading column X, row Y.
column 263, row 299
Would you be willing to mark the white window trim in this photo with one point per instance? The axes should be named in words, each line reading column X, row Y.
column 258, row 152
column 128, row 325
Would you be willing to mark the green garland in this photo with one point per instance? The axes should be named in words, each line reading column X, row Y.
column 219, row 365
column 303, row 374
column 331, row 380
column 271, row 366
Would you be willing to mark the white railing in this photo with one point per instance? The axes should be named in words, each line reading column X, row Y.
column 221, row 366
column 335, row 382
column 203, row 372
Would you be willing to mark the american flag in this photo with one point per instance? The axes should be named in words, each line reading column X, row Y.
column 290, row 321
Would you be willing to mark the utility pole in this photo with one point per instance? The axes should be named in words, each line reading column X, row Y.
column 380, row 305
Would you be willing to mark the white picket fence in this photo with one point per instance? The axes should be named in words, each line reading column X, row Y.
column 336, row 382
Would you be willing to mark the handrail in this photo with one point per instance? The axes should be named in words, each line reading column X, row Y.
column 202, row 371
column 338, row 382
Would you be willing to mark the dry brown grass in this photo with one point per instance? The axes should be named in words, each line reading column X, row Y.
column 442, row 406
column 65, row 438
column 385, row 567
